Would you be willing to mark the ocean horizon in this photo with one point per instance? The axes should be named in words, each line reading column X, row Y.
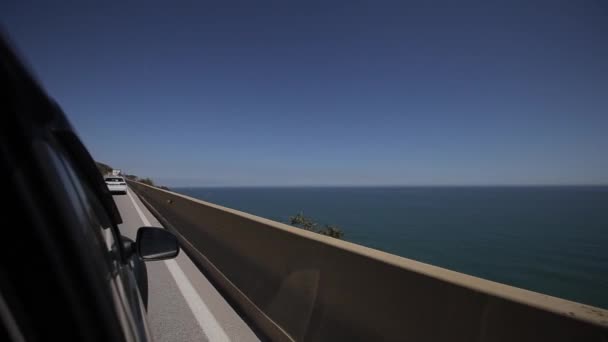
column 546, row 238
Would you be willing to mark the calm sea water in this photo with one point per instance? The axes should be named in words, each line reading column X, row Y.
column 547, row 239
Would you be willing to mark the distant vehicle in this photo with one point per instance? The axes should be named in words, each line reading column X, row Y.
column 116, row 184
column 115, row 172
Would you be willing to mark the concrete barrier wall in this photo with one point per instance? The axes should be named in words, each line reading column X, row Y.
column 298, row 285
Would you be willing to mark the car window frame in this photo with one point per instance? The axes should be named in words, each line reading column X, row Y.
column 100, row 210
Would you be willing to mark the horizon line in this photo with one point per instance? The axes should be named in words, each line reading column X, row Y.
column 393, row 186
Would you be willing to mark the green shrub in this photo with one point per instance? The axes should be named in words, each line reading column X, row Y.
column 131, row 177
column 303, row 222
column 104, row 169
column 147, row 181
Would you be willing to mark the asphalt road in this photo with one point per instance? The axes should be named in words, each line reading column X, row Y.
column 182, row 304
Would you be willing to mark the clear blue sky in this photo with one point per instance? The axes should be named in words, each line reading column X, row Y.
column 329, row 92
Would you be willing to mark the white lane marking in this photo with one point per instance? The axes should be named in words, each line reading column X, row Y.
column 208, row 323
column 139, row 212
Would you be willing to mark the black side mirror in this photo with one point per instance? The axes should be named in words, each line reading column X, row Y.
column 156, row 244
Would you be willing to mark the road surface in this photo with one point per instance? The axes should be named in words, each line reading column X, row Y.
column 182, row 303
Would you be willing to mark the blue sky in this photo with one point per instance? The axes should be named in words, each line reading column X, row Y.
column 329, row 92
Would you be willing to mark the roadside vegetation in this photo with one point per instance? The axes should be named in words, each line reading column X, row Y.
column 106, row 169
column 147, row 181
column 303, row 222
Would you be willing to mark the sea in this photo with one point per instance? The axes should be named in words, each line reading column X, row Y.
column 549, row 239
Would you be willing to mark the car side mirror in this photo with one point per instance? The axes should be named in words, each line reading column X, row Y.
column 156, row 244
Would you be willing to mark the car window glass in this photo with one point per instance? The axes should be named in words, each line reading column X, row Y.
column 100, row 221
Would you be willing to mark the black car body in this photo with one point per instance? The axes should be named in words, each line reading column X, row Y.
column 66, row 273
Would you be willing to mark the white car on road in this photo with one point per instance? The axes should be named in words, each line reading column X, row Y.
column 116, row 184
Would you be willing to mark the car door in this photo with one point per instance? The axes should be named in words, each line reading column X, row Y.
column 123, row 281
column 63, row 271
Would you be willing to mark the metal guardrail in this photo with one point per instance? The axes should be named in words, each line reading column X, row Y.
column 294, row 285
